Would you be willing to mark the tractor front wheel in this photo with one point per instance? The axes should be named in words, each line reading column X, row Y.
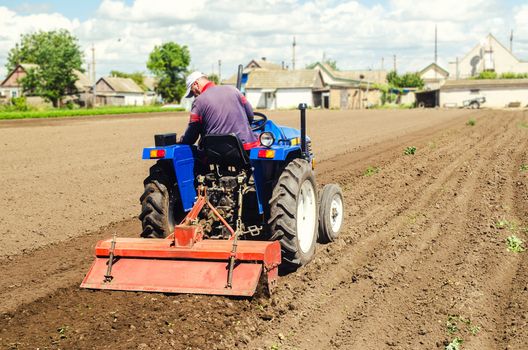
column 293, row 214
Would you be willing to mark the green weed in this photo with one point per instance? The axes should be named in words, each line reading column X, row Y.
column 459, row 326
column 409, row 150
column 523, row 125
column 275, row 347
column 515, row 244
column 455, row 344
column 471, row 122
column 371, row 170
column 523, row 167
column 505, row 224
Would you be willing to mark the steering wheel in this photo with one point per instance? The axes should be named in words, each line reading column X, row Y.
column 259, row 120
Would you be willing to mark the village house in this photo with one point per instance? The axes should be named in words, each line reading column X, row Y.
column 351, row 89
column 268, row 85
column 114, row 91
column 11, row 87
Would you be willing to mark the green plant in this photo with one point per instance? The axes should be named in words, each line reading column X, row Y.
column 455, row 344
column 371, row 170
column 523, row 167
column 62, row 331
column 515, row 244
column 471, row 122
column 523, row 125
column 409, row 150
column 503, row 223
column 275, row 347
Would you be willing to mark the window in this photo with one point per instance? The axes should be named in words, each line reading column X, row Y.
column 14, row 93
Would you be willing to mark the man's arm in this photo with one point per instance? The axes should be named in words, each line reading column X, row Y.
column 247, row 108
column 191, row 134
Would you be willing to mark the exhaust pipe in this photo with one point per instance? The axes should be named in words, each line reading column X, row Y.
column 302, row 108
column 239, row 77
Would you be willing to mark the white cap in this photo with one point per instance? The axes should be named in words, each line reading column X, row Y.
column 191, row 78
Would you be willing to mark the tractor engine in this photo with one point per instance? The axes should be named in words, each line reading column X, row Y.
column 222, row 192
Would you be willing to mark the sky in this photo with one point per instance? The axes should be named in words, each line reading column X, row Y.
column 356, row 34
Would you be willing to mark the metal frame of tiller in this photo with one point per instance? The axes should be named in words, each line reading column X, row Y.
column 184, row 262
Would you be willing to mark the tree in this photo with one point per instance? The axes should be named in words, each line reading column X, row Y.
column 169, row 63
column 214, row 78
column 138, row 77
column 57, row 55
column 408, row 80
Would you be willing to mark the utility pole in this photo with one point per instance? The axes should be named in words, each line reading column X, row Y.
column 293, row 53
column 511, row 41
column 394, row 62
column 220, row 71
column 436, row 45
column 436, row 49
column 93, row 75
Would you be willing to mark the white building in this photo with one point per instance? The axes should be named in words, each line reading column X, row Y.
column 119, row 92
column 488, row 55
column 498, row 93
column 433, row 76
column 271, row 89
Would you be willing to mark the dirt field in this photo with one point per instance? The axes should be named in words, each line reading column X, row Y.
column 422, row 259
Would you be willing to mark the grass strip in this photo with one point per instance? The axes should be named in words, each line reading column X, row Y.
column 56, row 113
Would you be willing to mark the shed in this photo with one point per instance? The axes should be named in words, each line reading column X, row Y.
column 499, row 93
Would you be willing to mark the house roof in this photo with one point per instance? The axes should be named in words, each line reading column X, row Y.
column 122, row 84
column 354, row 76
column 434, row 66
column 83, row 83
column 488, row 37
column 264, row 64
column 484, row 83
column 283, row 79
column 150, row 82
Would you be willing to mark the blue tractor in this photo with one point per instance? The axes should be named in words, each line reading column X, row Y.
column 217, row 227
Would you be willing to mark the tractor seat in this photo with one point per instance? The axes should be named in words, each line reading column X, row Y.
column 225, row 150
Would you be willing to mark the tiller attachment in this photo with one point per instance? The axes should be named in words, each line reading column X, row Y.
column 184, row 262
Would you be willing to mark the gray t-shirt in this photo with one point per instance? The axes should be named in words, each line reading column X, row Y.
column 220, row 110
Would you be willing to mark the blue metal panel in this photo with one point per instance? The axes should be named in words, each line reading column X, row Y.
column 183, row 161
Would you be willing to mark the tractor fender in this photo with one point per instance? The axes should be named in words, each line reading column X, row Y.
column 183, row 162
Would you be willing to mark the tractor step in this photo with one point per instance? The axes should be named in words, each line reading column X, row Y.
column 156, row 265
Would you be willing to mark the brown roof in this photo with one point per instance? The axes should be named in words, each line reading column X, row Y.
column 122, row 84
column 283, row 79
column 150, row 82
column 263, row 64
column 483, row 83
column 83, row 83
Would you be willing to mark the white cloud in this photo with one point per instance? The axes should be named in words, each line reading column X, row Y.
column 353, row 33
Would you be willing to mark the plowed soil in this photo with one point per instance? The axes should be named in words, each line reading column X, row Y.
column 422, row 260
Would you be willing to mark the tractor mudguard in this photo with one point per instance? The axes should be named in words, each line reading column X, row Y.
column 183, row 161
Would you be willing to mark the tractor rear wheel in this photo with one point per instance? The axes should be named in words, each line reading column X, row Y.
column 161, row 208
column 293, row 214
